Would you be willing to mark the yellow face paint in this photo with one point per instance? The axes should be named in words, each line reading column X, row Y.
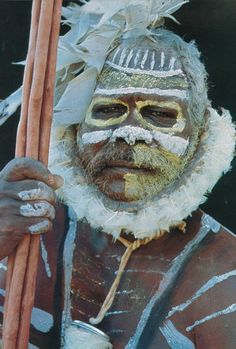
column 164, row 166
column 89, row 120
column 110, row 79
column 180, row 120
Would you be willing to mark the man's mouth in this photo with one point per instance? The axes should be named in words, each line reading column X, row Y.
column 123, row 167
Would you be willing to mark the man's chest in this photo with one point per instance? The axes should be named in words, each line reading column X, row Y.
column 143, row 291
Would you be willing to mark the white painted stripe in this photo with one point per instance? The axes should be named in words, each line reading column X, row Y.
column 207, row 286
column 69, row 246
column 41, row 320
column 172, row 63
column 229, row 310
column 174, row 338
column 131, row 134
column 181, row 94
column 130, row 56
column 162, row 59
column 115, row 55
column 153, row 61
column 136, row 60
column 96, row 136
column 167, row 281
column 44, row 254
column 144, row 60
column 155, row 73
column 118, row 312
column 122, row 56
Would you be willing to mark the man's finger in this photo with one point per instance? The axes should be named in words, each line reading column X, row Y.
column 27, row 168
column 28, row 190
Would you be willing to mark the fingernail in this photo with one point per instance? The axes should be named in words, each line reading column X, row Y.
column 39, row 228
column 58, row 181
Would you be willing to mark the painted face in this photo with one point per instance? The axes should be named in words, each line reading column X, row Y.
column 137, row 136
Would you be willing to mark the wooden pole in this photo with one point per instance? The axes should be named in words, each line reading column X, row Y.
column 35, row 123
column 45, row 127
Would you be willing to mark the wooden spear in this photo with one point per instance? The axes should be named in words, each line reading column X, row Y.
column 34, row 126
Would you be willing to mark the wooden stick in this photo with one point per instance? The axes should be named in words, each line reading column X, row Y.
column 47, row 108
column 46, row 118
column 37, row 88
column 20, row 151
column 32, row 146
column 27, row 80
column 32, row 149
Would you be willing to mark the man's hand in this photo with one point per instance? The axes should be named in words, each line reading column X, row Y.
column 27, row 201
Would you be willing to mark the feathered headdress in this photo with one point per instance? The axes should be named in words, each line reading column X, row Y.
column 95, row 29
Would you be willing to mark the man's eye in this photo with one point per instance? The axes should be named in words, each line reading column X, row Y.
column 160, row 117
column 108, row 111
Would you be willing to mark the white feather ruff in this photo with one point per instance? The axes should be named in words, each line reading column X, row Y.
column 80, row 339
column 212, row 159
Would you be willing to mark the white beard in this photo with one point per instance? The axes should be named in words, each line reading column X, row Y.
column 166, row 209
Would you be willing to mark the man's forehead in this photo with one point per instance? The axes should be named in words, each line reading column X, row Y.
column 143, row 70
column 159, row 61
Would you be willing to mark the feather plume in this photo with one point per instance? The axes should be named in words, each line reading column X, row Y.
column 212, row 159
column 95, row 29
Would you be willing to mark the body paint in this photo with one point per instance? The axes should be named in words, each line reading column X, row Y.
column 206, row 287
column 229, row 310
column 180, row 94
column 174, row 338
column 157, row 73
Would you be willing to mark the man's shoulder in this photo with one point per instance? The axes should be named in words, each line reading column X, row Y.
column 203, row 303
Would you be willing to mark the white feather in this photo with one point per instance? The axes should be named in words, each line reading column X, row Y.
column 75, row 101
column 213, row 158
column 95, row 28
column 9, row 105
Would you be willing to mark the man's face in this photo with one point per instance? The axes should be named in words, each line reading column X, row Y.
column 135, row 141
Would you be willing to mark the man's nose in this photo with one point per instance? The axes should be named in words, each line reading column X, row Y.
column 132, row 119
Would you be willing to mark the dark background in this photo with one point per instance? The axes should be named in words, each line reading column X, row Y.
column 212, row 23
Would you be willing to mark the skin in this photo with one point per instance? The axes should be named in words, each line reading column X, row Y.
column 116, row 168
column 25, row 181
column 22, row 175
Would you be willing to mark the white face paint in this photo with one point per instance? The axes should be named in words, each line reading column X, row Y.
column 38, row 210
column 39, row 228
column 180, row 94
column 176, row 145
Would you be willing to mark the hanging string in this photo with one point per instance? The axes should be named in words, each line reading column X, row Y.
column 130, row 248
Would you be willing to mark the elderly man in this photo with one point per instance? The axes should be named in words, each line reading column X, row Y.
column 139, row 163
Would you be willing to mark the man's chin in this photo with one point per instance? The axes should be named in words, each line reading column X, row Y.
column 122, row 187
column 112, row 187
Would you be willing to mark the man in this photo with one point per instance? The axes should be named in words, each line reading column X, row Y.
column 136, row 165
